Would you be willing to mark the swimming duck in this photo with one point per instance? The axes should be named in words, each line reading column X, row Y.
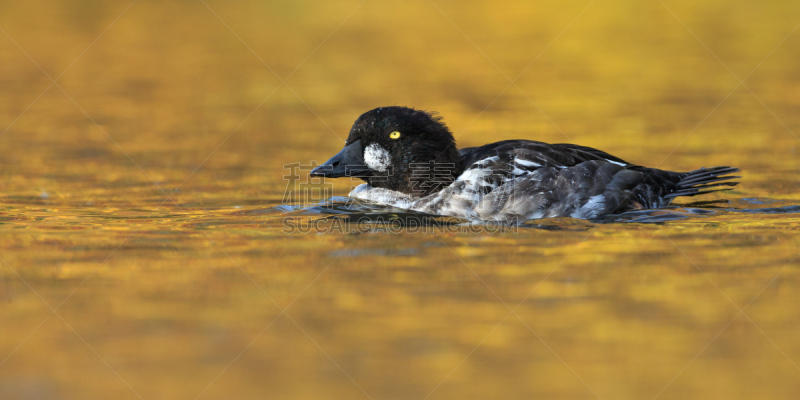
column 409, row 160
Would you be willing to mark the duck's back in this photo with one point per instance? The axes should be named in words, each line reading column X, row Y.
column 530, row 155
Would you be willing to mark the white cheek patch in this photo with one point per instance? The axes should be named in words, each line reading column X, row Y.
column 377, row 158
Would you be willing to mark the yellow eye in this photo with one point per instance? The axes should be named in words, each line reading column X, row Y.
column 395, row 135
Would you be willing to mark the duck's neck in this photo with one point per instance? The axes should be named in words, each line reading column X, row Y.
column 432, row 177
column 422, row 178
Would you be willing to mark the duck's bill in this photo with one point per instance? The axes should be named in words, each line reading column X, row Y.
column 348, row 162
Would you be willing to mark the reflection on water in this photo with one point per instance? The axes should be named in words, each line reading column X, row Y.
column 146, row 250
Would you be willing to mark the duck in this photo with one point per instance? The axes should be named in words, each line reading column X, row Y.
column 408, row 159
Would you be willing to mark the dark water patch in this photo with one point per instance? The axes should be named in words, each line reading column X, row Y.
column 657, row 215
column 757, row 200
column 753, row 205
column 772, row 210
column 353, row 211
column 558, row 224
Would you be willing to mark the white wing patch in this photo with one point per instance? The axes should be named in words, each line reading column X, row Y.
column 518, row 171
column 616, row 162
column 486, row 160
column 377, row 158
column 473, row 175
column 526, row 163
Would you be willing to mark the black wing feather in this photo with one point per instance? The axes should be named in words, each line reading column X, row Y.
column 535, row 155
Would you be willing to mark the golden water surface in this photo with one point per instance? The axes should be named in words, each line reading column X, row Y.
column 143, row 247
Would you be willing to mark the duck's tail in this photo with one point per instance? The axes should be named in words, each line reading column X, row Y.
column 701, row 180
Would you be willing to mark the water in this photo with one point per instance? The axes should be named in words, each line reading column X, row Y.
column 147, row 251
